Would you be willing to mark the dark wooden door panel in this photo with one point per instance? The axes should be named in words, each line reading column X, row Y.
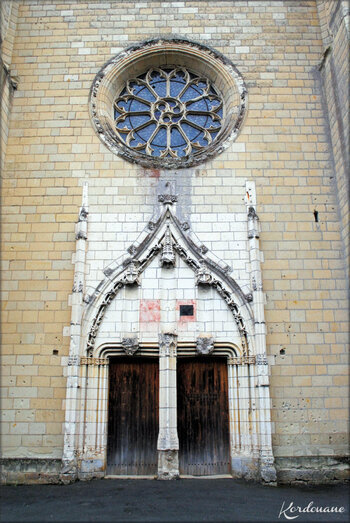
column 203, row 419
column 133, row 416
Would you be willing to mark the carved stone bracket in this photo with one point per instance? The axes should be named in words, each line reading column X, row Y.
column 130, row 345
column 205, row 345
column 167, row 345
column 167, row 198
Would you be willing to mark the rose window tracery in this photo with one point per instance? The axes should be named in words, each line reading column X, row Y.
column 168, row 112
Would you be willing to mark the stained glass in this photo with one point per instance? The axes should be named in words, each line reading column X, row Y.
column 168, row 112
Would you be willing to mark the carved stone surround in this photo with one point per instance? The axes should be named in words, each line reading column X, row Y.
column 251, row 452
column 168, row 238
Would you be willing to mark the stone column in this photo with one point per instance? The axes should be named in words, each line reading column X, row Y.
column 92, row 458
column 168, row 441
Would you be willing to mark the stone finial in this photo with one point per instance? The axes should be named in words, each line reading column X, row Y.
column 168, row 254
column 205, row 345
column 130, row 345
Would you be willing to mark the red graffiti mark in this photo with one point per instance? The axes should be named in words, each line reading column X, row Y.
column 149, row 311
column 188, row 317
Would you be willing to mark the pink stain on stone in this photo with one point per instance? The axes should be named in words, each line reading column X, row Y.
column 149, row 311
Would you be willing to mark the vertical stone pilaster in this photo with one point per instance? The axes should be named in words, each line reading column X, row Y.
column 168, row 441
column 69, row 459
column 263, row 407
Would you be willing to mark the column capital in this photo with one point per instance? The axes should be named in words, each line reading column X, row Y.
column 168, row 344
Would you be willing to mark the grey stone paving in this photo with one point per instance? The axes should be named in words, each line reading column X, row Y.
column 184, row 500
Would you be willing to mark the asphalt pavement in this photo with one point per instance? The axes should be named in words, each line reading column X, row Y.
column 183, row 500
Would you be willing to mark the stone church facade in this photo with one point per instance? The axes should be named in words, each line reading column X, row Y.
column 175, row 240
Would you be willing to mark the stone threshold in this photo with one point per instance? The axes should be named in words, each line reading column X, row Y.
column 116, row 476
column 182, row 476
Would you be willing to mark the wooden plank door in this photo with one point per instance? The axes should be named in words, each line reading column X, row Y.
column 203, row 418
column 133, row 416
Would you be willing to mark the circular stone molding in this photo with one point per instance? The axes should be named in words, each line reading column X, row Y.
column 203, row 65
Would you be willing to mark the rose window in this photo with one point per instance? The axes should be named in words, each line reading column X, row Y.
column 168, row 113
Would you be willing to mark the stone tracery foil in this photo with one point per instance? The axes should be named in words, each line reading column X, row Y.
column 168, row 112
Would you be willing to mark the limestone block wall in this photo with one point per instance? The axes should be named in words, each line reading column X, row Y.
column 284, row 147
column 334, row 70
column 8, row 83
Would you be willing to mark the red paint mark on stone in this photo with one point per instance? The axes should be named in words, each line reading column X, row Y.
column 149, row 173
column 155, row 173
column 149, row 311
column 185, row 319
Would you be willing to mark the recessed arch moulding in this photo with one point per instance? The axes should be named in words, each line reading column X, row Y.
column 135, row 310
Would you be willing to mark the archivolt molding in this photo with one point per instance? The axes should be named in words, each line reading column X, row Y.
column 103, row 352
column 167, row 237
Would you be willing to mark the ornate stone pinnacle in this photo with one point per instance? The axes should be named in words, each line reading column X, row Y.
column 168, row 254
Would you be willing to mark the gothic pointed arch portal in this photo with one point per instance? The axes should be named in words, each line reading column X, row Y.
column 169, row 296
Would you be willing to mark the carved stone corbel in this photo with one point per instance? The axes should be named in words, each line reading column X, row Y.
column 203, row 275
column 130, row 345
column 131, row 275
column 167, row 198
column 205, row 345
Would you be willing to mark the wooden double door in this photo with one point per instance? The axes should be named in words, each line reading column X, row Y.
column 202, row 416
column 133, row 416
